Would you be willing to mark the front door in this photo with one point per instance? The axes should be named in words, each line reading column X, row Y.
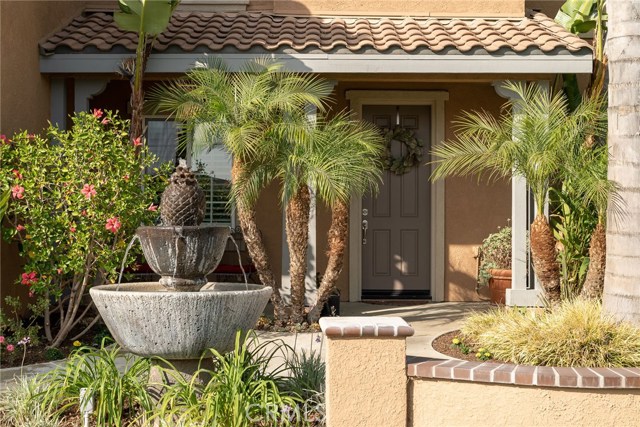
column 396, row 221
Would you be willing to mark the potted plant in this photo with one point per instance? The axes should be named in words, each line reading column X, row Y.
column 495, row 263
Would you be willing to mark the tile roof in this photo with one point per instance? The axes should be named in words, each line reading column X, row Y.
column 189, row 31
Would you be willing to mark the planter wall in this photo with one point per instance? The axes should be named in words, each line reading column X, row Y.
column 371, row 378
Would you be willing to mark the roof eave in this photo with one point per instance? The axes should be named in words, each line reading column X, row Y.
column 170, row 63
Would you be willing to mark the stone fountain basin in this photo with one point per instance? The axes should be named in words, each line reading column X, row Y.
column 183, row 255
column 148, row 320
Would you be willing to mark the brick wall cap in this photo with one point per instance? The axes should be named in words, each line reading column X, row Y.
column 541, row 376
column 365, row 327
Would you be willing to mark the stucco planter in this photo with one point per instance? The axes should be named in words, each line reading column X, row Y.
column 499, row 282
column 183, row 256
column 148, row 320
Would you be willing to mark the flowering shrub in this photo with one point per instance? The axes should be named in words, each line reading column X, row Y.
column 76, row 199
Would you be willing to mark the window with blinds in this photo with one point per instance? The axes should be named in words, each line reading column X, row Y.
column 218, row 210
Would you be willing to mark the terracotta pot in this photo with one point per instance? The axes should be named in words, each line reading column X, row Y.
column 499, row 282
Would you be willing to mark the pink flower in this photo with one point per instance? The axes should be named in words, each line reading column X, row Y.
column 105, row 121
column 17, row 192
column 97, row 113
column 113, row 224
column 126, row 177
column 88, row 190
column 10, row 348
column 31, row 294
column 72, row 229
column 31, row 136
column 137, row 142
column 29, row 278
column 152, row 207
column 84, row 212
column 1, row 339
column 4, row 139
column 17, row 173
column 20, row 227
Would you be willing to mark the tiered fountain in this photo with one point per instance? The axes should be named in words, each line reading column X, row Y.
column 181, row 316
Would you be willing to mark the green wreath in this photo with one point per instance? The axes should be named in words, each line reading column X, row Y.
column 413, row 155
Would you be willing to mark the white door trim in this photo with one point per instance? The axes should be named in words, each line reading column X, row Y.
column 436, row 100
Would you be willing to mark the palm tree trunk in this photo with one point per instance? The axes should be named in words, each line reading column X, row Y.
column 297, row 225
column 257, row 251
column 622, row 278
column 593, row 284
column 137, row 90
column 543, row 255
column 337, row 241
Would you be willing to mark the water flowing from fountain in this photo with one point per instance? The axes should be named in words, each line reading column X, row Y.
column 124, row 260
column 244, row 274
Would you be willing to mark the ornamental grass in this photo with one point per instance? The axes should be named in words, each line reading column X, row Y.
column 577, row 333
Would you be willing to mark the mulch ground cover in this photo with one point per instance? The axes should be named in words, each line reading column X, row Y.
column 443, row 344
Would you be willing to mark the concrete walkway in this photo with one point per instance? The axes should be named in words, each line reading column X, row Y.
column 428, row 321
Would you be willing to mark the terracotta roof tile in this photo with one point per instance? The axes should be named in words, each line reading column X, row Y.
column 215, row 31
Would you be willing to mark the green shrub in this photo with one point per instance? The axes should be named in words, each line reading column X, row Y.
column 306, row 374
column 77, row 197
column 19, row 405
column 53, row 353
column 576, row 333
column 117, row 382
column 495, row 253
column 245, row 390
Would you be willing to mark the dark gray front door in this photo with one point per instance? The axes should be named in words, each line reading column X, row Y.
column 396, row 245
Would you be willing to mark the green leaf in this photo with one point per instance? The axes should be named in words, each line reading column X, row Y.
column 144, row 16
column 127, row 21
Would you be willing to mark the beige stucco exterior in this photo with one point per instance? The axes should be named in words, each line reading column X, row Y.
column 469, row 8
column 366, row 382
column 464, row 403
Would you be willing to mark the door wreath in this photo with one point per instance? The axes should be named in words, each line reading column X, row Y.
column 413, row 150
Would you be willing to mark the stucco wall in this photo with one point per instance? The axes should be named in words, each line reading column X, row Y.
column 473, row 209
column 463, row 403
column 473, row 8
column 381, row 379
column 25, row 99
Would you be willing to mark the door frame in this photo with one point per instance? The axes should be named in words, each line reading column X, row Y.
column 435, row 100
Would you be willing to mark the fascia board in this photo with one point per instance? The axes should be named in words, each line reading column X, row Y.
column 334, row 63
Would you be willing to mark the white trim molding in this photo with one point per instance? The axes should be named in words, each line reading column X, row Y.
column 520, row 294
column 435, row 100
column 334, row 62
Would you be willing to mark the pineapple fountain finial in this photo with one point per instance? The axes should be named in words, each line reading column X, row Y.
column 183, row 201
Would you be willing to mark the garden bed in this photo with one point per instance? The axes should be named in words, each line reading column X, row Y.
column 40, row 353
column 443, row 344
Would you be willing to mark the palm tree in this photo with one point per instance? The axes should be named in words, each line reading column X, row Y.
column 622, row 278
column 533, row 145
column 243, row 111
column 337, row 158
column 586, row 176
column 348, row 156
